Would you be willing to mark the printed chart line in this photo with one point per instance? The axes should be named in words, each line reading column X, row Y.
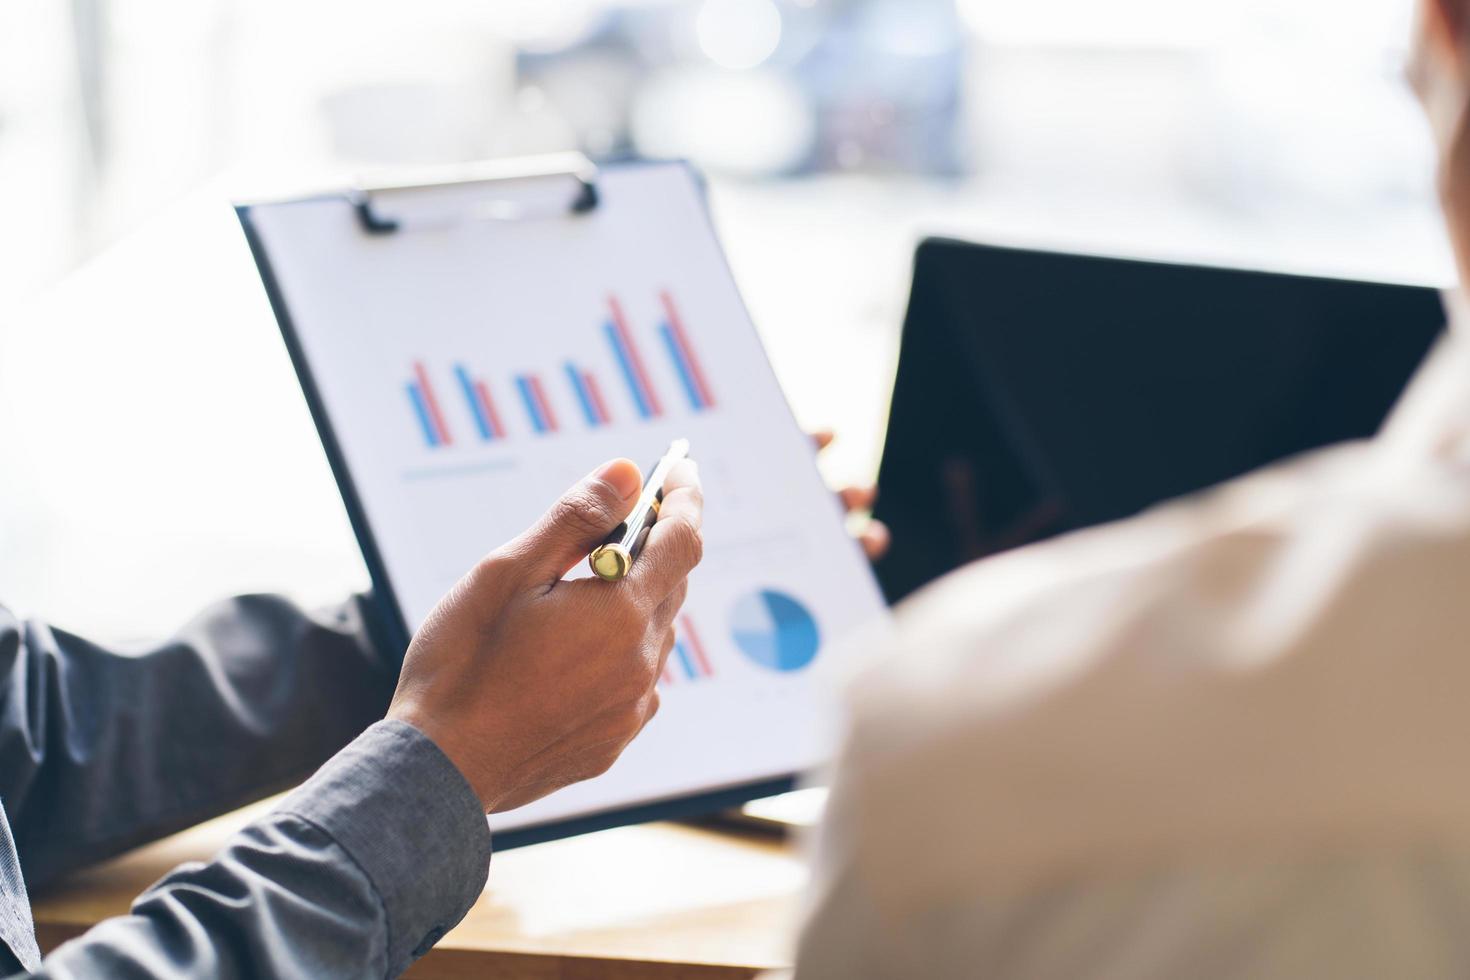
column 431, row 403
column 593, row 409
column 631, row 362
column 681, row 352
column 421, row 410
column 472, row 398
column 487, row 405
column 689, row 654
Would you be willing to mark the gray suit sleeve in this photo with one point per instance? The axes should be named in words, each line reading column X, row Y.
column 356, row 874
column 103, row 749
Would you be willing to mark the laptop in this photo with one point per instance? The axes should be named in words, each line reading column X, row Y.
column 1041, row 392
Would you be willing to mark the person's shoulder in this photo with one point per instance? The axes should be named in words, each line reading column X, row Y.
column 1215, row 579
column 1254, row 661
column 1032, row 617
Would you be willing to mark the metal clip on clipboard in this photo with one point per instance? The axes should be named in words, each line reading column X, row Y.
column 378, row 215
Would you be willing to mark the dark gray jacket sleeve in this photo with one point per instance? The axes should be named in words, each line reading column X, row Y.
column 356, row 874
column 103, row 749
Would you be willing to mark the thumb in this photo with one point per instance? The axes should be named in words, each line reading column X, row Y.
column 580, row 520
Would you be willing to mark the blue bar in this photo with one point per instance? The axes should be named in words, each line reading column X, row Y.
column 685, row 374
column 684, row 659
column 627, row 366
column 529, row 397
column 588, row 409
column 467, row 385
column 421, row 409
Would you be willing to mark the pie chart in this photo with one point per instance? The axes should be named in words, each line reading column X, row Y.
column 775, row 631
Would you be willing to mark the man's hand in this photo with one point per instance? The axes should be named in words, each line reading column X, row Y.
column 529, row 683
column 872, row 534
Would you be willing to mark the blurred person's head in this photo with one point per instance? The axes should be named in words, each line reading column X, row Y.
column 1439, row 70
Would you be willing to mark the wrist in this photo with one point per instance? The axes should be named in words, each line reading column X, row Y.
column 486, row 788
column 394, row 783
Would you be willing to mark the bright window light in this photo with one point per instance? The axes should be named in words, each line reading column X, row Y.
column 738, row 34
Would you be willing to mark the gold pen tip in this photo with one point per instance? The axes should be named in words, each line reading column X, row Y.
column 610, row 562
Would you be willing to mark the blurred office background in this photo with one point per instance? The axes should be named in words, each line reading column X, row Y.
column 1272, row 133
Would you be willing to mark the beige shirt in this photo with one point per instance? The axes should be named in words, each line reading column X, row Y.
column 1228, row 738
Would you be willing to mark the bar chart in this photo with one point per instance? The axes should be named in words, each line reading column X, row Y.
column 426, row 408
column 538, row 407
column 482, row 406
column 544, row 402
column 589, row 395
column 689, row 661
column 681, row 352
column 630, row 360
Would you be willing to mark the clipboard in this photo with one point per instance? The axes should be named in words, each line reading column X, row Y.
column 472, row 341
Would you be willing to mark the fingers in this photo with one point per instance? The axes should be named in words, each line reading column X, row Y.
column 663, row 620
column 858, row 498
column 579, row 521
column 665, row 649
column 664, row 616
column 875, row 539
column 823, row 438
column 650, row 711
column 675, row 544
column 873, row 535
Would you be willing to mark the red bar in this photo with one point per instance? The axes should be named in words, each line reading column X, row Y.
column 540, row 393
column 693, row 636
column 433, row 402
column 668, row 677
column 595, row 394
column 621, row 325
column 487, row 404
column 677, row 325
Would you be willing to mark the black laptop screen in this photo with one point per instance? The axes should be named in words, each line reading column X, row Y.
column 1040, row 392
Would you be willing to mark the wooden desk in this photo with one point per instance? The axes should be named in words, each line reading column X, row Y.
column 660, row 901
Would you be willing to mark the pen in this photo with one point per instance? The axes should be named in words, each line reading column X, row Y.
column 612, row 559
